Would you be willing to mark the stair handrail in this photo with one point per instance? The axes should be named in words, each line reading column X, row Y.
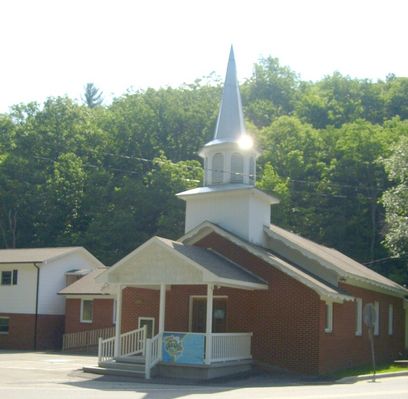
column 152, row 353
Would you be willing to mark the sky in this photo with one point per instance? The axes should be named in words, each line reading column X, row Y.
column 54, row 47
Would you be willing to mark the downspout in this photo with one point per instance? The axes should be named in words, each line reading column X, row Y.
column 36, row 304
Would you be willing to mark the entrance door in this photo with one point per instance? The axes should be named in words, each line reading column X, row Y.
column 199, row 315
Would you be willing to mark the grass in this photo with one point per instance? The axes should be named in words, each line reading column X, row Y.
column 382, row 368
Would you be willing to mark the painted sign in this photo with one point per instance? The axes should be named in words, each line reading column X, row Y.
column 183, row 348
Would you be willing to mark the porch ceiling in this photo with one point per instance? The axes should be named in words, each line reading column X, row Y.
column 161, row 261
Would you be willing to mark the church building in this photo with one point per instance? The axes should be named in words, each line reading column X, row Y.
column 236, row 290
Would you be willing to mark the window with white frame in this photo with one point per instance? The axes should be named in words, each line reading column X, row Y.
column 328, row 323
column 4, row 325
column 86, row 310
column 217, row 168
column 9, row 277
column 377, row 318
column 390, row 319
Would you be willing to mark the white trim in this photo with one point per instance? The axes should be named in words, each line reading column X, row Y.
column 152, row 319
column 82, row 320
column 390, row 319
column 328, row 321
column 377, row 318
column 114, row 312
column 359, row 316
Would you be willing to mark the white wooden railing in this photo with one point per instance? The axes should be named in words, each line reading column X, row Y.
column 153, row 353
column 85, row 339
column 230, row 346
column 106, row 349
column 133, row 342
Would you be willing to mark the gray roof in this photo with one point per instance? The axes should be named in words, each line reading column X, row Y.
column 30, row 255
column 338, row 262
column 87, row 285
column 213, row 262
column 226, row 188
column 331, row 258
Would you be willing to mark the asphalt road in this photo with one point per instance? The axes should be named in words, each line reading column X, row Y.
column 56, row 376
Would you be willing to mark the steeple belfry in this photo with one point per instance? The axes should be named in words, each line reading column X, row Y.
column 229, row 197
column 230, row 123
column 230, row 157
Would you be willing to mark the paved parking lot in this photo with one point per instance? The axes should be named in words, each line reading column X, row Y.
column 26, row 375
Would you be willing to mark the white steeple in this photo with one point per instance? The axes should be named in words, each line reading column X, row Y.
column 229, row 197
column 230, row 156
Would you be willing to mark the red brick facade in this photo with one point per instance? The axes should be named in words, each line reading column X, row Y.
column 287, row 319
column 21, row 333
column 102, row 315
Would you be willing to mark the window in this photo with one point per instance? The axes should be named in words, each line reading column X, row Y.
column 359, row 316
column 86, row 311
column 4, row 325
column 149, row 323
column 328, row 323
column 9, row 277
column 377, row 318
column 390, row 319
column 217, row 168
column 237, row 168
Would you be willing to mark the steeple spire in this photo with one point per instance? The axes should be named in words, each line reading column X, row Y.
column 230, row 123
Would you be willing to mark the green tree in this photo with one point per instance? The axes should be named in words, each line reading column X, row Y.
column 395, row 200
column 92, row 96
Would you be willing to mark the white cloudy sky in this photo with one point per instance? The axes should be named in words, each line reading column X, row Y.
column 54, row 47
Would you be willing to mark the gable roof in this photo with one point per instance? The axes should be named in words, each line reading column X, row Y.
column 87, row 285
column 162, row 261
column 29, row 255
column 41, row 255
column 333, row 259
column 340, row 264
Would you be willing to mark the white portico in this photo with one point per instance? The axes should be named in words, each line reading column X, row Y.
column 160, row 264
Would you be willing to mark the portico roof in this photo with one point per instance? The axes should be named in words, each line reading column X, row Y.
column 162, row 261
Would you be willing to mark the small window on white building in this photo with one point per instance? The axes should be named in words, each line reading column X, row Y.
column 390, row 319
column 359, row 316
column 328, row 322
column 377, row 318
column 217, row 169
column 86, row 310
column 4, row 325
column 9, row 277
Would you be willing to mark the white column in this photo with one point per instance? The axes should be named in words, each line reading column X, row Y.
column 162, row 310
column 208, row 325
column 118, row 324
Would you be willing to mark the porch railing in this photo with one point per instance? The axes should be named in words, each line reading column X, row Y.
column 85, row 339
column 106, row 349
column 153, row 353
column 230, row 346
column 131, row 343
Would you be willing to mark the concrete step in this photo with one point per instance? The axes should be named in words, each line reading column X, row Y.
column 118, row 365
column 130, row 359
column 115, row 372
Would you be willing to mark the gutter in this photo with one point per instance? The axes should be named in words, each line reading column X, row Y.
column 36, row 265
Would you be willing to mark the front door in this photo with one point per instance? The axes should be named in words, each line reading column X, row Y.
column 199, row 315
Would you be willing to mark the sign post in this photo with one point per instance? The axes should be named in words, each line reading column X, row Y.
column 370, row 319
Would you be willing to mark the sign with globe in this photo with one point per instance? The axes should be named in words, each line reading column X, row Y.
column 183, row 348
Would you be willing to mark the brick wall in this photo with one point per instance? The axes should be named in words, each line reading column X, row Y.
column 21, row 332
column 343, row 349
column 102, row 315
